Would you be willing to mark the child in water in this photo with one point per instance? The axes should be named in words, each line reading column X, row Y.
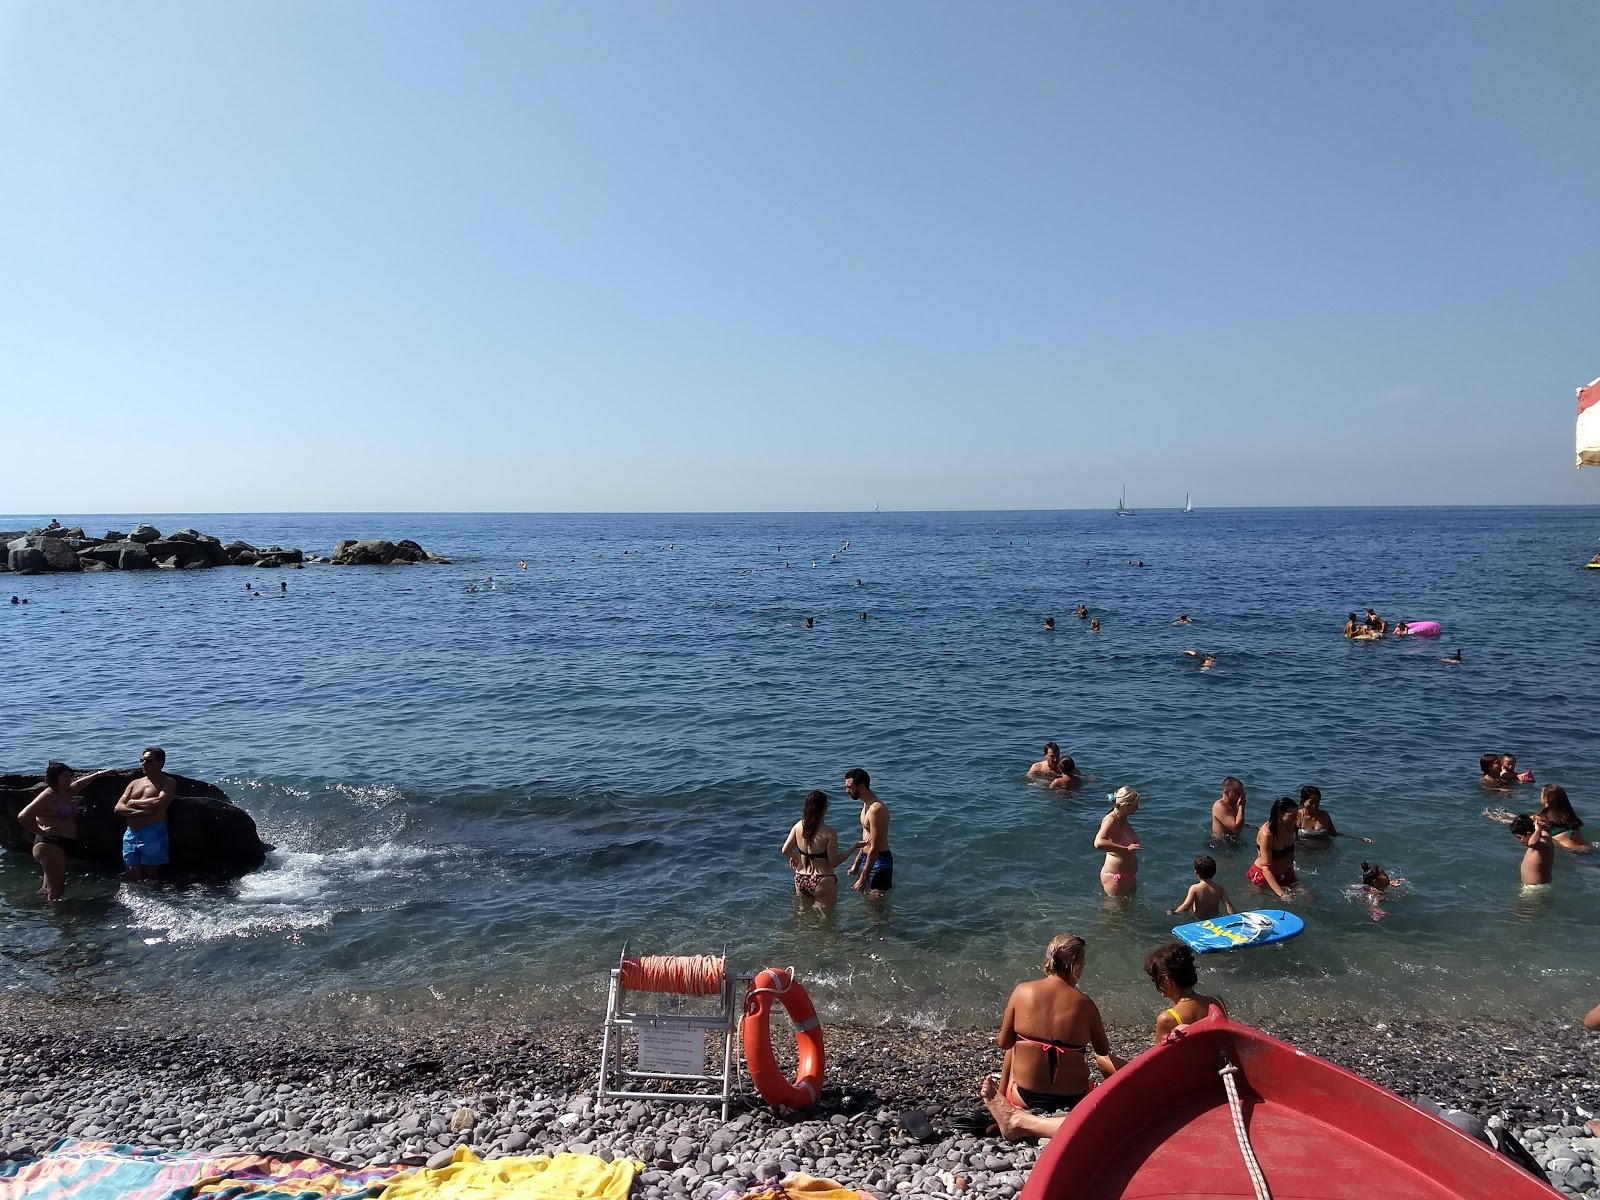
column 1539, row 857
column 1204, row 898
column 1375, row 881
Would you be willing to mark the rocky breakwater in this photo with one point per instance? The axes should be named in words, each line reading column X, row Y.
column 209, row 836
column 375, row 552
column 39, row 551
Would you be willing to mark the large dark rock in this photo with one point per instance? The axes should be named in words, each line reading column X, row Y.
column 27, row 560
column 145, row 533
column 58, row 555
column 187, row 553
column 209, row 837
column 375, row 552
column 135, row 557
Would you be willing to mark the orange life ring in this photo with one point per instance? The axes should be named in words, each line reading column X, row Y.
column 756, row 1030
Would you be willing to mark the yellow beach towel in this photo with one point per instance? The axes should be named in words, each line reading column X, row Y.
column 532, row 1177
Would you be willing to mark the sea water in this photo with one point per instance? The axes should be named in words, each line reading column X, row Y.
column 478, row 798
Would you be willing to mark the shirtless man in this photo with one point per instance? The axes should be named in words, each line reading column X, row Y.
column 1227, row 814
column 1048, row 767
column 1540, row 856
column 1376, row 624
column 144, row 803
column 874, row 864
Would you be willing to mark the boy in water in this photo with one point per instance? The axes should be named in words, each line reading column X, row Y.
column 1204, row 899
column 1227, row 814
column 1539, row 858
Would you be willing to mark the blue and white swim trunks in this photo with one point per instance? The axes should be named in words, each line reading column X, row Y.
column 146, row 847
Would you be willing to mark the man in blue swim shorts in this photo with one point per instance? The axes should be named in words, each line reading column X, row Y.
column 874, row 864
column 144, row 804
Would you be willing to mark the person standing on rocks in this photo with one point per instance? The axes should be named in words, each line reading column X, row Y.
column 52, row 818
column 144, row 803
column 874, row 864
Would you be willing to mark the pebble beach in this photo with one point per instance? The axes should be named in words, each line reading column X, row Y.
column 382, row 1094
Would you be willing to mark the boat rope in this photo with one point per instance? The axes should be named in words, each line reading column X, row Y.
column 1257, row 1179
column 675, row 974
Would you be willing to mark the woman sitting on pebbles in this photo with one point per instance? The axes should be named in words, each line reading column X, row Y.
column 52, row 818
column 1119, row 874
column 812, row 849
column 1048, row 1026
column 1274, row 865
column 1171, row 968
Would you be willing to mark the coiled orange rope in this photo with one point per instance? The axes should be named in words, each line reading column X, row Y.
column 675, row 974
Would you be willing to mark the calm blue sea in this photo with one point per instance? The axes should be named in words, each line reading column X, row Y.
column 478, row 798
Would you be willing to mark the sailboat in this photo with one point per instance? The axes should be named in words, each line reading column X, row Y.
column 1187, row 506
column 1122, row 505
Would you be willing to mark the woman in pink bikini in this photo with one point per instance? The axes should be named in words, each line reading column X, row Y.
column 52, row 818
column 812, row 849
column 1048, row 1026
column 1119, row 874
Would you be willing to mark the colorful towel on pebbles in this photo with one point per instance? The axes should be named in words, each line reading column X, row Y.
column 87, row 1170
column 531, row 1177
column 798, row 1186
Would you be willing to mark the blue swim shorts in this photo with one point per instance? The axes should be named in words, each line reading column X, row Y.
column 145, row 847
column 880, row 874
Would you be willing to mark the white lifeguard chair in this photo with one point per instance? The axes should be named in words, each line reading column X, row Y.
column 670, row 1039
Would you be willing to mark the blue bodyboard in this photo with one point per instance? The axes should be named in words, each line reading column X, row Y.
column 1240, row 931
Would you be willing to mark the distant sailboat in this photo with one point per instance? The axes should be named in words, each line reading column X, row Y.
column 1122, row 505
column 1187, row 506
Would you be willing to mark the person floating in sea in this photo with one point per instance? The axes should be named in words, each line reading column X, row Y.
column 1509, row 774
column 812, row 849
column 1069, row 779
column 144, row 803
column 1048, row 767
column 1489, row 768
column 1171, row 969
column 1375, row 624
column 1183, row 619
column 1204, row 898
column 283, row 587
column 1453, row 660
column 1094, row 625
column 1274, row 864
column 1207, row 661
column 1119, row 874
column 52, row 818
column 1375, row 881
column 811, row 622
column 1315, row 823
column 874, row 863
column 1050, row 624
column 1564, row 826
column 857, row 583
column 1082, row 613
column 1227, row 812
column 863, row 616
column 1538, row 859
column 522, row 563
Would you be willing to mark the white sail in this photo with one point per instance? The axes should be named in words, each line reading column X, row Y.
column 1187, row 506
column 1589, row 425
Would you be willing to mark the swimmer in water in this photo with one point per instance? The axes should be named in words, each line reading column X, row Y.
column 1094, row 625
column 523, row 563
column 1083, row 611
column 1509, row 772
column 1204, row 899
column 1453, row 660
column 811, row 622
column 1564, row 825
column 1538, row 860
column 1050, row 623
column 1375, row 881
column 1183, row 619
column 857, row 583
column 1314, row 822
column 1069, row 778
column 1048, row 767
column 1207, row 661
column 1227, row 812
column 1489, row 766
column 1350, row 626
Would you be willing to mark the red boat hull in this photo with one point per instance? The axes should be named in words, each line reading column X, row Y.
column 1161, row 1128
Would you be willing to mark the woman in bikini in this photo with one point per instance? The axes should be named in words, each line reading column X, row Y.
column 1048, row 1026
column 52, row 818
column 1119, row 874
column 1564, row 826
column 1274, row 865
column 812, row 849
column 1171, row 968
column 1314, row 824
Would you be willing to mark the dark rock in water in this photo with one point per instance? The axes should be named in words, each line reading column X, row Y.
column 145, row 533
column 375, row 552
column 187, row 553
column 26, row 560
column 135, row 558
column 58, row 555
column 113, row 535
column 209, row 836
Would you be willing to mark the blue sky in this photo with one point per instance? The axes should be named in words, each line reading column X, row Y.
column 677, row 256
